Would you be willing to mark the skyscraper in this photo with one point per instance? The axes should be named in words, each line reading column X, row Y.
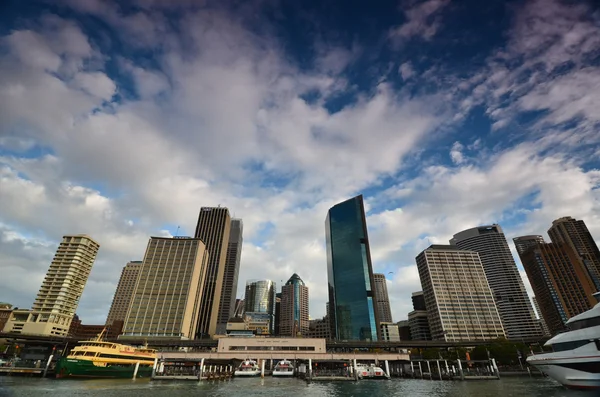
column 169, row 289
column 459, row 301
column 259, row 301
column 294, row 308
column 124, row 292
column 561, row 283
column 543, row 326
column 576, row 235
column 230, row 276
column 418, row 319
column 382, row 300
column 59, row 295
column 352, row 312
column 504, row 279
column 213, row 229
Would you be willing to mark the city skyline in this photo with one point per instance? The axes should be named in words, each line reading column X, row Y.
column 427, row 114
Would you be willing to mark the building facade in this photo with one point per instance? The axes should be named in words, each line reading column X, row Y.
column 213, row 228
column 389, row 332
column 169, row 289
column 294, row 308
column 230, row 275
column 352, row 310
column 560, row 281
column 58, row 297
column 319, row 328
column 5, row 312
column 541, row 322
column 460, row 304
column 504, row 279
column 260, row 298
column 382, row 300
column 122, row 298
column 576, row 235
column 404, row 330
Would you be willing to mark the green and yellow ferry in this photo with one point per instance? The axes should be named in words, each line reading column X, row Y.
column 100, row 359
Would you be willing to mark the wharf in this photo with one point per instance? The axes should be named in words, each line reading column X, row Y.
column 24, row 371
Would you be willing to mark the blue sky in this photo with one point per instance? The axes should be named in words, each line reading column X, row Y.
column 121, row 119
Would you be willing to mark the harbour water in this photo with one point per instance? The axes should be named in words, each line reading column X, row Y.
column 250, row 387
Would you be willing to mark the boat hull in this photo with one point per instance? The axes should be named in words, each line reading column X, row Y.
column 283, row 373
column 574, row 373
column 73, row 368
column 246, row 373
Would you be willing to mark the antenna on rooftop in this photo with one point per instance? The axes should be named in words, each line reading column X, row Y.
column 177, row 232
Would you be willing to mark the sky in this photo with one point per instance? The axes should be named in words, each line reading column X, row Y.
column 120, row 119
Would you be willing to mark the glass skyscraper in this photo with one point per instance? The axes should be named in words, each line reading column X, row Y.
column 350, row 273
column 260, row 298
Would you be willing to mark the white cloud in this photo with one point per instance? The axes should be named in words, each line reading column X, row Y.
column 421, row 20
column 406, row 71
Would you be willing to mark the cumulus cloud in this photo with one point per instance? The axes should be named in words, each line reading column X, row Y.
column 220, row 116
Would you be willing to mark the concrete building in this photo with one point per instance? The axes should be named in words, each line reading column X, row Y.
column 418, row 319
column 277, row 313
column 58, row 297
column 512, row 301
column 169, row 289
column 239, row 308
column 294, row 308
column 389, row 332
column 404, row 330
column 260, row 298
column 418, row 300
column 541, row 322
column 5, row 312
column 213, row 228
column 352, row 310
column 382, row 300
column 319, row 328
column 459, row 301
column 559, row 279
column 576, row 235
column 230, row 275
column 259, row 323
column 81, row 331
column 122, row 298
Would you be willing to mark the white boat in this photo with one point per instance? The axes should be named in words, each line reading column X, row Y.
column 248, row 368
column 370, row 371
column 575, row 358
column 283, row 368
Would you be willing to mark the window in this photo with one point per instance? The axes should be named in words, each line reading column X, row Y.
column 559, row 347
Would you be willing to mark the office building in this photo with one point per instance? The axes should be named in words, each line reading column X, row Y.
column 169, row 289
column 319, row 328
column 560, row 281
column 512, row 301
column 541, row 322
column 5, row 312
column 459, row 301
column 80, row 331
column 418, row 319
column 122, row 298
column 389, row 332
column 239, row 308
column 352, row 311
column 260, row 298
column 576, row 235
column 213, row 228
column 382, row 300
column 277, row 313
column 230, row 274
column 294, row 308
column 404, row 330
column 58, row 297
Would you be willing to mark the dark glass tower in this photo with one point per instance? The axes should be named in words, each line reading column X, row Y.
column 350, row 273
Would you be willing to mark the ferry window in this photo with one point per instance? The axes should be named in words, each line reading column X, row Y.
column 91, row 354
column 559, row 347
column 597, row 342
column 586, row 323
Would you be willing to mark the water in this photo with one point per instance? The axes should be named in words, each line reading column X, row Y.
column 250, row 387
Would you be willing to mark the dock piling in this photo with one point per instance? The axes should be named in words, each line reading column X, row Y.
column 47, row 365
column 135, row 370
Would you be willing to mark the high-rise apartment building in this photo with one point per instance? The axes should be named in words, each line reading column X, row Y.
column 576, row 235
column 169, row 289
column 124, row 293
column 352, row 311
column 230, row 275
column 418, row 319
column 58, row 297
column 259, row 301
column 213, row 228
column 504, row 279
column 459, row 301
column 389, row 332
column 560, row 281
column 382, row 300
column 294, row 308
column 542, row 323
